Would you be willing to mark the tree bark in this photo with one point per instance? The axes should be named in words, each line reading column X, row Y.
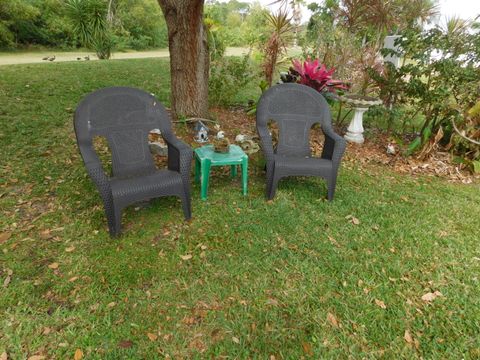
column 189, row 60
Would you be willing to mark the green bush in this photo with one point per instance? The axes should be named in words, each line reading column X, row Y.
column 142, row 23
column 136, row 24
column 439, row 80
column 13, row 16
column 228, row 76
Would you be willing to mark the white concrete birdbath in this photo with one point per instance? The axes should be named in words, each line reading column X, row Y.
column 360, row 104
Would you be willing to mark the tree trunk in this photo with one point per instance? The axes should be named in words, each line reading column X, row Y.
column 189, row 60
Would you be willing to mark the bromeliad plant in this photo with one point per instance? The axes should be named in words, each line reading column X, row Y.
column 314, row 75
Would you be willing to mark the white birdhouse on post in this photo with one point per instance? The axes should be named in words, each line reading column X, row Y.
column 389, row 43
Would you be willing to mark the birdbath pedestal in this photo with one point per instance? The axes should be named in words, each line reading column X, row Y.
column 360, row 104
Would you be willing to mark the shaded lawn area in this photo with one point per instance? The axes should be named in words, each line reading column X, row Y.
column 279, row 280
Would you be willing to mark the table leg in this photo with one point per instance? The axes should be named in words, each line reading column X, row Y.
column 244, row 175
column 205, row 175
column 197, row 170
column 233, row 170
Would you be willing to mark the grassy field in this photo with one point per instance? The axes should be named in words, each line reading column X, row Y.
column 289, row 279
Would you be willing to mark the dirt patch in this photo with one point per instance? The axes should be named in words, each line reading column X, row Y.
column 374, row 151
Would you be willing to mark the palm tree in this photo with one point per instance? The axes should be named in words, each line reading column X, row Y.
column 282, row 30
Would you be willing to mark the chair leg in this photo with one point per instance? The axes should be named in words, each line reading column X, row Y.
column 273, row 188
column 114, row 218
column 186, row 206
column 270, row 169
column 331, row 184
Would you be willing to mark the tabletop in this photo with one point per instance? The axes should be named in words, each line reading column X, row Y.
column 206, row 152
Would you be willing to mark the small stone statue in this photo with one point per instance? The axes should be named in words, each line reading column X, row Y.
column 221, row 143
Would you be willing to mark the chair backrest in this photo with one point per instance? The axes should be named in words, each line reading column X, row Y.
column 295, row 108
column 124, row 116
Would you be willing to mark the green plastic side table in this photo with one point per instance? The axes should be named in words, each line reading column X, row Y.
column 206, row 157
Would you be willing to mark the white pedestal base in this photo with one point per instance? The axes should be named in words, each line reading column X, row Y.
column 355, row 129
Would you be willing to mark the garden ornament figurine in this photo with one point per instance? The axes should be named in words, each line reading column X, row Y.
column 220, row 143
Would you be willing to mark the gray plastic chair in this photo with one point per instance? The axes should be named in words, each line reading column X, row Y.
column 125, row 116
column 296, row 108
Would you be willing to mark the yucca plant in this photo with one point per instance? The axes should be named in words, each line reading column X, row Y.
column 89, row 19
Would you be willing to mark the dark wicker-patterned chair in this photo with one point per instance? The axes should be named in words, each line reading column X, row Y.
column 296, row 108
column 125, row 116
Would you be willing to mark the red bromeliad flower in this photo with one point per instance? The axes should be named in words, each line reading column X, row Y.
column 316, row 75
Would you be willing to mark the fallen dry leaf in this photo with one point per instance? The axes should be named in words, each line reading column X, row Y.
column 112, row 304
column 72, row 279
column 307, row 348
column 78, row 354
column 333, row 241
column 431, row 296
column 189, row 320
column 70, row 249
column 45, row 234
column 186, row 257
column 53, row 265
column 152, row 336
column 332, row 320
column 8, row 278
column 408, row 337
column 4, row 236
column 125, row 344
column 380, row 303
column 46, row 331
column 37, row 357
column 235, row 340
column 198, row 345
column 4, row 356
column 352, row 219
column 272, row 301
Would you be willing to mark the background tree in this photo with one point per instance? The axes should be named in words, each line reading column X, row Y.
column 189, row 58
column 13, row 14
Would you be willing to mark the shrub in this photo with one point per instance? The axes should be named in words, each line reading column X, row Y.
column 439, row 80
column 228, row 75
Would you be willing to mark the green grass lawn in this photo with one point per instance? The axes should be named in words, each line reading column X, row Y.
column 285, row 279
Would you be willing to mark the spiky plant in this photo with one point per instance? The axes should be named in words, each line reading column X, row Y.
column 90, row 23
column 281, row 36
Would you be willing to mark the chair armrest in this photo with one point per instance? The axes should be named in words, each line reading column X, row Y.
column 94, row 166
column 266, row 142
column 334, row 146
column 179, row 155
column 97, row 174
